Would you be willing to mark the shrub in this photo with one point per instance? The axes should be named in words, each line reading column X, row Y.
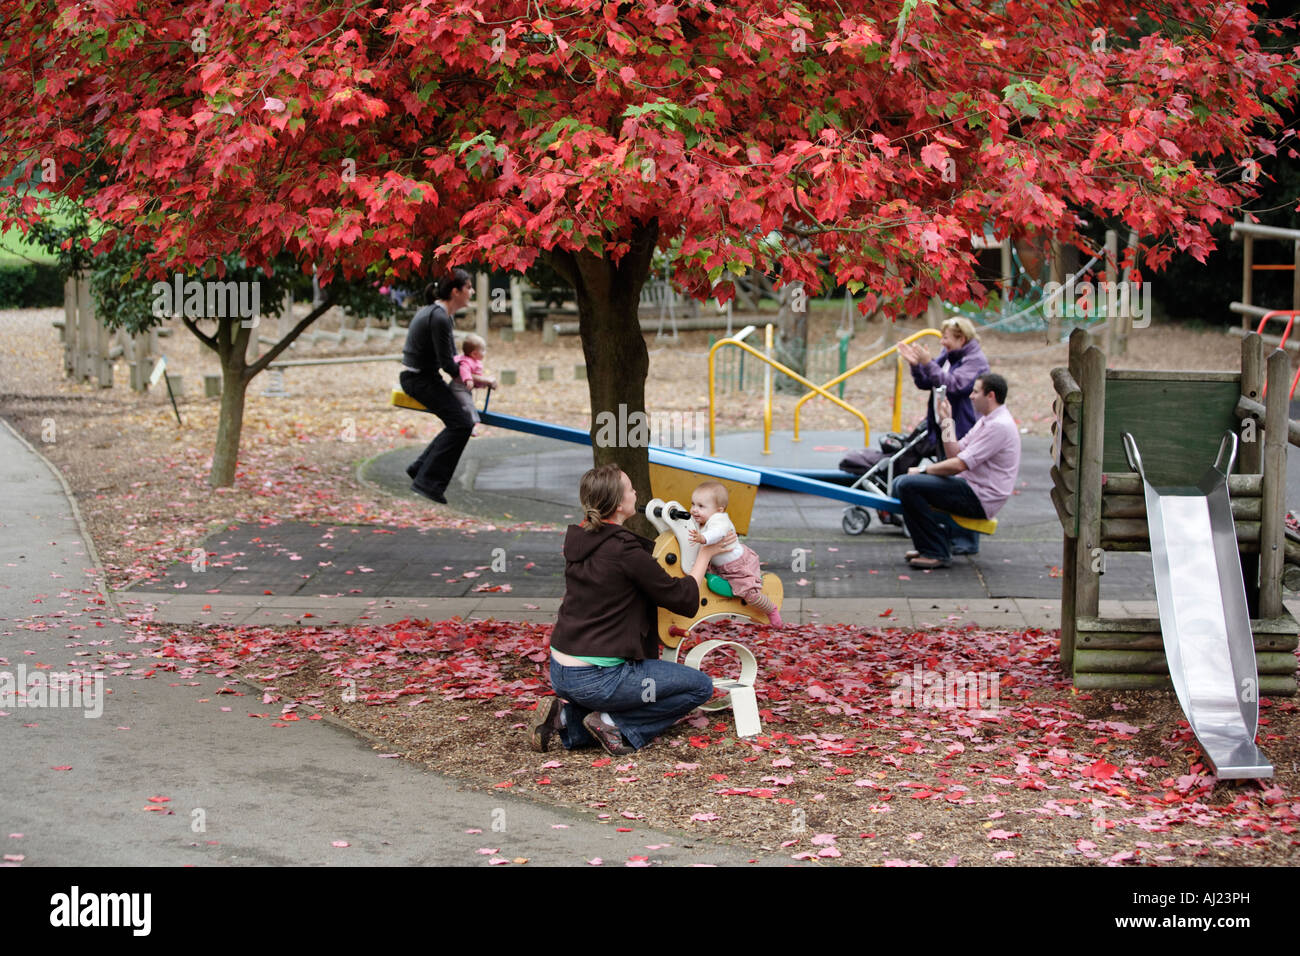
column 30, row 285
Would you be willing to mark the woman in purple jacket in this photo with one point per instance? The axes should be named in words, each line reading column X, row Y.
column 956, row 368
column 611, row 688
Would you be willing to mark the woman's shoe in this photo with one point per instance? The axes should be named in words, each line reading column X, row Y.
column 546, row 723
column 431, row 495
column 922, row 563
column 911, row 554
column 607, row 736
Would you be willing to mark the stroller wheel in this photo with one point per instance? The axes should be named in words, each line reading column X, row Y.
column 856, row 520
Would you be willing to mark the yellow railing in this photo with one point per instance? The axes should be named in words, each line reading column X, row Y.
column 767, row 402
column 898, row 380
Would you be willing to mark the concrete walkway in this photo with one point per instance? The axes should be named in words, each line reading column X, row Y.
column 76, row 790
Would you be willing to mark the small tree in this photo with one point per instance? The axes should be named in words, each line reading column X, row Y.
column 127, row 298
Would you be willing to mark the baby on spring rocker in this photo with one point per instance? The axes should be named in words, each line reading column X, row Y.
column 734, row 588
column 675, row 550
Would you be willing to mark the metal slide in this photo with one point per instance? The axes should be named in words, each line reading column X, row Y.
column 1203, row 614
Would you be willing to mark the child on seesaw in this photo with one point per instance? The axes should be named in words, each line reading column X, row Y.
column 739, row 566
column 470, row 365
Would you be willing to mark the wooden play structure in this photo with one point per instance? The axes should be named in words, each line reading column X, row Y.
column 1179, row 420
column 89, row 348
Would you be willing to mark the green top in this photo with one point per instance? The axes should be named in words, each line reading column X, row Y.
column 601, row 661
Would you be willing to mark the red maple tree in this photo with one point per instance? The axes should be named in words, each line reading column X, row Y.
column 860, row 142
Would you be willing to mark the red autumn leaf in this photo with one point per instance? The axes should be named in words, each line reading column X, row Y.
column 1100, row 770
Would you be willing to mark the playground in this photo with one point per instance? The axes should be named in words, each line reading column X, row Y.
column 319, row 568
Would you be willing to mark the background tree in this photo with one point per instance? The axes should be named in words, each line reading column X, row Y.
column 884, row 134
column 125, row 298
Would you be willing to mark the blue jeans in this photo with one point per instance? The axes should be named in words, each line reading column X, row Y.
column 644, row 698
column 963, row 541
column 920, row 496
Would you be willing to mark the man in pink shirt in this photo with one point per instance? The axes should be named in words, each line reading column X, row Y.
column 974, row 481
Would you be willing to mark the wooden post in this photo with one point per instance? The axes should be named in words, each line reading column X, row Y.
column 1079, row 343
column 1007, row 279
column 1080, row 340
column 87, row 334
column 516, row 304
column 254, row 347
column 69, row 324
column 284, row 322
column 1272, row 526
column 1114, row 331
column 934, row 314
column 1056, row 274
column 483, row 294
column 1250, row 458
column 79, row 339
column 1126, row 277
column 1247, row 274
column 1069, row 586
column 1092, row 382
column 141, row 361
column 103, row 367
column 1295, row 278
column 1250, row 454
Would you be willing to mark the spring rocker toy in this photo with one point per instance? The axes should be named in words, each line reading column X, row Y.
column 675, row 552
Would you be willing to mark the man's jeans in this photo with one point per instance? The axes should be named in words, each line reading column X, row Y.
column 921, row 496
column 644, row 698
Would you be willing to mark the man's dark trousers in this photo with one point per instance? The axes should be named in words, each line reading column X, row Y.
column 921, row 495
column 437, row 463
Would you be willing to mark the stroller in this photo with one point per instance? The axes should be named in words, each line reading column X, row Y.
column 876, row 471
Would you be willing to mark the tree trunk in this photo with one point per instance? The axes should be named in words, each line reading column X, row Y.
column 231, row 343
column 608, row 296
column 234, row 383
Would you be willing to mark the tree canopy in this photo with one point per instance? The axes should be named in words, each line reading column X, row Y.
column 859, row 143
column 884, row 134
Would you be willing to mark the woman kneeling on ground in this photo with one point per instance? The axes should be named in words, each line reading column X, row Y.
column 611, row 687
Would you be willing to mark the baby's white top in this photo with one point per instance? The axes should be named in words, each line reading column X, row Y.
column 715, row 529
